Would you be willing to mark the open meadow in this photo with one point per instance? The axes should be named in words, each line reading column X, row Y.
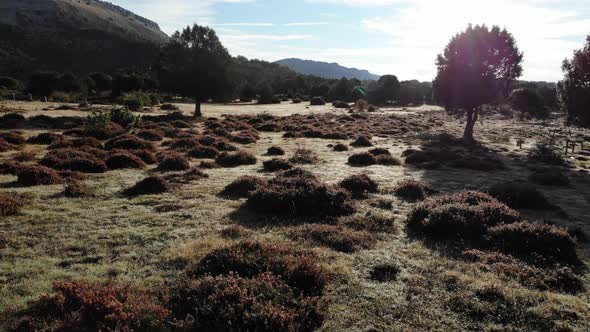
column 291, row 217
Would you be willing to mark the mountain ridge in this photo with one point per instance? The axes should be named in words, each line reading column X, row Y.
column 326, row 69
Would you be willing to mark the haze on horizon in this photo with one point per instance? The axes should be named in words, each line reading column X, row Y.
column 400, row 37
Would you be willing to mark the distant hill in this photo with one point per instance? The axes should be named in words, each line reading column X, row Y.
column 73, row 35
column 326, row 70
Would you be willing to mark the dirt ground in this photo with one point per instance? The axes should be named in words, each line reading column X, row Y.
column 140, row 239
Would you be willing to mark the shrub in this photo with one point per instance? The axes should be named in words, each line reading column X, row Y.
column 5, row 146
column 339, row 238
column 248, row 259
column 13, row 137
column 78, row 143
column 123, row 117
column 549, row 177
column 385, row 272
column 275, row 151
column 203, row 152
column 133, row 103
column 23, row 156
column 37, row 176
column 168, row 107
column 92, row 306
column 146, row 156
column 46, row 139
column 388, row 160
column 520, row 196
column 371, row 222
column 10, row 204
column 85, row 161
column 128, row 142
column 362, row 141
column 173, row 162
column 462, row 217
column 362, row 159
column 77, row 189
column 180, row 124
column 234, row 159
column 299, row 193
column 359, row 185
column 97, row 121
column 340, row 147
column 317, row 101
column 243, row 186
column 226, row 303
column 527, row 240
column 152, row 185
column 276, row 164
column 304, row 156
column 380, row 152
column 546, row 154
column 412, row 190
column 124, row 160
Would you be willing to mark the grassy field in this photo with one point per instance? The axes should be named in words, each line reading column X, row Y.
column 150, row 240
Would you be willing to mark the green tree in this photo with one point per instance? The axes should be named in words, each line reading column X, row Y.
column 476, row 66
column 574, row 89
column 102, row 82
column 528, row 102
column 386, row 88
column 194, row 63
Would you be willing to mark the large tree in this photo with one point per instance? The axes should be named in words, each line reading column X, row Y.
column 477, row 67
column 195, row 64
column 574, row 90
column 385, row 89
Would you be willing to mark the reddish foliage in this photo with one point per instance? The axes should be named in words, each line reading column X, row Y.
column 37, row 176
column 233, row 159
column 128, row 142
column 10, row 204
column 359, row 185
column 124, row 160
column 243, row 186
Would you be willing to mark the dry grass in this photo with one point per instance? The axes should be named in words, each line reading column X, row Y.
column 150, row 239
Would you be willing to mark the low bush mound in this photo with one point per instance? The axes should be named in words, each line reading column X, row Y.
column 153, row 135
column 235, row 232
column 362, row 141
column 37, row 176
column 124, row 160
column 362, row 159
column 338, row 238
column 152, row 185
column 558, row 278
column 385, row 272
column 340, row 147
column 77, row 189
column 146, row 156
column 86, row 160
column 304, row 157
column 128, row 142
column 463, row 217
column 180, row 124
column 187, row 177
column 520, row 196
column 243, row 186
column 317, row 101
column 168, row 107
column 550, row 177
column 234, row 159
column 359, row 185
column 91, row 306
column 299, row 193
column 78, row 143
column 380, row 152
column 275, row 151
column 412, row 190
column 388, row 160
column 370, row 221
column 173, row 162
column 24, row 156
column 5, row 146
column 10, row 204
column 276, row 164
column 13, row 137
column 248, row 259
column 535, row 241
column 46, row 139
column 201, row 152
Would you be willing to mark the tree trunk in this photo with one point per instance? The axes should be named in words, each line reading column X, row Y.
column 472, row 116
column 198, row 112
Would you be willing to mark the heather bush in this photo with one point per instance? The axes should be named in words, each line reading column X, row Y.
column 338, row 238
column 462, row 217
column 304, row 157
column 24, row 156
column 412, row 190
column 299, row 193
column 362, row 141
column 275, row 151
column 152, row 185
column 362, row 159
column 359, row 185
column 37, row 176
column 340, row 147
column 276, row 164
column 388, row 160
column 124, row 160
column 234, row 159
column 78, row 143
column 203, row 152
column 13, row 137
column 87, row 160
column 91, row 306
column 146, row 156
column 520, row 196
column 532, row 240
column 10, row 204
column 77, row 189
column 243, row 186
column 173, row 162
column 385, row 272
column 380, row 152
column 46, row 139
column 128, row 142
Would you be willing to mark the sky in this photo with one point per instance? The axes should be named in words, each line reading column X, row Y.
column 400, row 37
